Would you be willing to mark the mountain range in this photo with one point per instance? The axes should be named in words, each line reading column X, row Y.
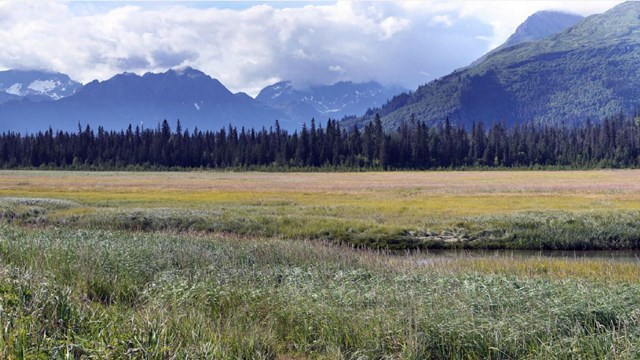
column 326, row 101
column 187, row 94
column 556, row 68
column 588, row 70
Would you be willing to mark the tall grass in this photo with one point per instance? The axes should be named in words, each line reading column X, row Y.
column 548, row 230
column 69, row 293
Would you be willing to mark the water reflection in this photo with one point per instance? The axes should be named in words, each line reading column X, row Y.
column 611, row 255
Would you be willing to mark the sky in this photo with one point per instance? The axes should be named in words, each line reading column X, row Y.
column 248, row 45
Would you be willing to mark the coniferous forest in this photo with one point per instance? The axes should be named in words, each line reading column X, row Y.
column 613, row 142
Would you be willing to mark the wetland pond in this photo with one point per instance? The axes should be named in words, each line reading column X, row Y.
column 626, row 256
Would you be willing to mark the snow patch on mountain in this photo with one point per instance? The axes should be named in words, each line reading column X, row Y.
column 43, row 86
column 14, row 89
column 36, row 85
column 322, row 101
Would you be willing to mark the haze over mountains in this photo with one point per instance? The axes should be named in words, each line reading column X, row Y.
column 326, row 101
column 556, row 68
column 589, row 70
column 189, row 95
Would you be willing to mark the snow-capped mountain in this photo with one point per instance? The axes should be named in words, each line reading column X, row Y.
column 35, row 85
column 326, row 101
column 188, row 95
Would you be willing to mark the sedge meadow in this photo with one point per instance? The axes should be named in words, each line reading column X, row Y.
column 318, row 265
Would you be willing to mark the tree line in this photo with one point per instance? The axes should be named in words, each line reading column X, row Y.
column 613, row 142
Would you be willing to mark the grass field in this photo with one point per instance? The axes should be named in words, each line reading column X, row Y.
column 397, row 210
column 263, row 266
column 100, row 294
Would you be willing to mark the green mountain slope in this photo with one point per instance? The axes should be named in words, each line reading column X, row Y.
column 541, row 25
column 589, row 70
column 537, row 27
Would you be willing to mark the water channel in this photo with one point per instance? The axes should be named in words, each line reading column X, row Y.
column 631, row 256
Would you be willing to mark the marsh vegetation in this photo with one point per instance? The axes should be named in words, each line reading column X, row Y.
column 102, row 294
column 392, row 210
column 297, row 266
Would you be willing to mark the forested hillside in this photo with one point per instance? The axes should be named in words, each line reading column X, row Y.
column 588, row 71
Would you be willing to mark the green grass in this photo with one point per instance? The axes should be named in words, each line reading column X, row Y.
column 405, row 210
column 616, row 229
column 99, row 294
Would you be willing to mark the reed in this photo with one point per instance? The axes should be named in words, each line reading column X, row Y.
column 126, row 294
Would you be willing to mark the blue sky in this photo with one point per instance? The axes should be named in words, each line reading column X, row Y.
column 248, row 45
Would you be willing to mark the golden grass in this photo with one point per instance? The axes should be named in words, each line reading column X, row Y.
column 405, row 183
column 406, row 197
column 601, row 270
column 598, row 270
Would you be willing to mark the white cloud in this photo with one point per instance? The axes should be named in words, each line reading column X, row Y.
column 392, row 25
column 336, row 68
column 442, row 20
column 249, row 48
column 505, row 16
